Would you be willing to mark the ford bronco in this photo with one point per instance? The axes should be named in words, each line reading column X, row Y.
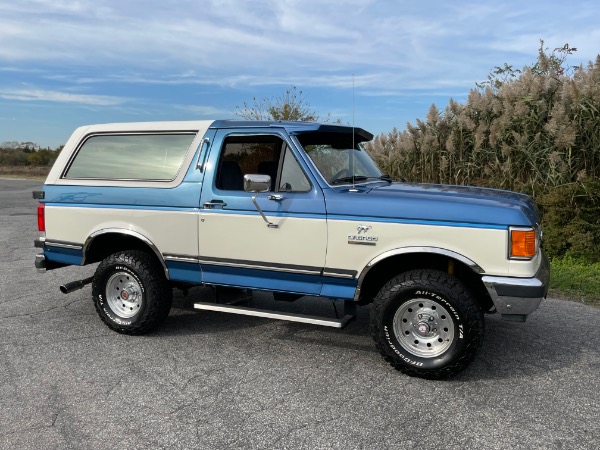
column 297, row 209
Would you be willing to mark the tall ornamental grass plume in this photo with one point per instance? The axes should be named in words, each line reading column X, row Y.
column 534, row 130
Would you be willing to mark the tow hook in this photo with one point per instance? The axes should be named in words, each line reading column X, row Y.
column 75, row 285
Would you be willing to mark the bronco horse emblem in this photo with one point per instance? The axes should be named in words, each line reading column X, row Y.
column 363, row 228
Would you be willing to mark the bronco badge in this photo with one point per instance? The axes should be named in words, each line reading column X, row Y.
column 361, row 238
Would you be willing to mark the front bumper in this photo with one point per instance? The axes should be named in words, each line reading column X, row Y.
column 515, row 298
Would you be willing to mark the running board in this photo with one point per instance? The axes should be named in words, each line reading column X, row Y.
column 314, row 320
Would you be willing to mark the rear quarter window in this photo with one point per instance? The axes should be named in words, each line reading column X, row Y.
column 130, row 157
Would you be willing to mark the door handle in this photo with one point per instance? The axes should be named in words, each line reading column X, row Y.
column 276, row 197
column 214, row 204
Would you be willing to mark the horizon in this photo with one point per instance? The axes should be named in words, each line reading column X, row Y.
column 66, row 64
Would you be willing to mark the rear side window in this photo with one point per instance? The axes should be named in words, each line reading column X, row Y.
column 131, row 157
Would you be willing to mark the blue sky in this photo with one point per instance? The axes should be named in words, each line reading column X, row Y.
column 66, row 63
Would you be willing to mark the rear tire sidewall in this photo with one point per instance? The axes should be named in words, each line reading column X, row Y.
column 104, row 308
column 403, row 356
column 147, row 280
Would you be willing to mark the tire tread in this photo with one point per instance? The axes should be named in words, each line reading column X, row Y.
column 158, row 294
column 474, row 324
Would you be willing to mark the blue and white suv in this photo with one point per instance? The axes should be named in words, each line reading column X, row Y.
column 296, row 209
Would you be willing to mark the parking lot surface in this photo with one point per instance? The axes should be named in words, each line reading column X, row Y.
column 212, row 380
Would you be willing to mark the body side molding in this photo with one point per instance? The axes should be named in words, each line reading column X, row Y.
column 61, row 244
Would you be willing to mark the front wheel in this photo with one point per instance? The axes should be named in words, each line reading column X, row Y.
column 425, row 323
column 131, row 293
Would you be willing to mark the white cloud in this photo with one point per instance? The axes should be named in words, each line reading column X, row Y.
column 228, row 42
column 154, row 56
column 28, row 95
column 205, row 110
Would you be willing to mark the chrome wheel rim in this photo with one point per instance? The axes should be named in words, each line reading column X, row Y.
column 124, row 295
column 423, row 328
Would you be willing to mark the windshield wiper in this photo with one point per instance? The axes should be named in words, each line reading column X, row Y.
column 349, row 179
column 359, row 178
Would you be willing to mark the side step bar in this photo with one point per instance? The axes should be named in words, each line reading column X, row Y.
column 314, row 320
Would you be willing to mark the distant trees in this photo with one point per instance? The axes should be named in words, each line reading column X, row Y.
column 42, row 158
column 26, row 154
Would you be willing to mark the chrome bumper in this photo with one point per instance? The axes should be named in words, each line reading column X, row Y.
column 515, row 298
column 40, row 259
column 40, row 263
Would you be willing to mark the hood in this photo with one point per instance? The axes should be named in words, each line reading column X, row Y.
column 460, row 205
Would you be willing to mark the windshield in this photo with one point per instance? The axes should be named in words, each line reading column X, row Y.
column 337, row 161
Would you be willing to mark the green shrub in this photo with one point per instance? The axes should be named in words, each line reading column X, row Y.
column 571, row 218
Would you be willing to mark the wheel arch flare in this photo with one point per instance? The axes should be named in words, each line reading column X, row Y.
column 388, row 264
column 106, row 241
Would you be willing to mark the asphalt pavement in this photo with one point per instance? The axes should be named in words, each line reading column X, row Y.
column 211, row 380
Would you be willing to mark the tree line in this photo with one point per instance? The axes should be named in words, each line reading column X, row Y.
column 22, row 154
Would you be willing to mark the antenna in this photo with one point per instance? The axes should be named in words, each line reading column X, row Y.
column 353, row 189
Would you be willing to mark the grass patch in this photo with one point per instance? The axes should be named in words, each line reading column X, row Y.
column 28, row 172
column 575, row 279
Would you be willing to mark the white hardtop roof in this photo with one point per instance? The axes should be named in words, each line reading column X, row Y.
column 198, row 127
column 183, row 125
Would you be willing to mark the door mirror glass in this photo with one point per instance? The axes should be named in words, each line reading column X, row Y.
column 257, row 183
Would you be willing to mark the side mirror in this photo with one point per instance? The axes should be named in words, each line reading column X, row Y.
column 257, row 183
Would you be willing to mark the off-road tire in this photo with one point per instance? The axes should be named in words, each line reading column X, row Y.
column 143, row 279
column 408, row 319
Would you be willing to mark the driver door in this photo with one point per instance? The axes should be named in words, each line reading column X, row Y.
column 237, row 247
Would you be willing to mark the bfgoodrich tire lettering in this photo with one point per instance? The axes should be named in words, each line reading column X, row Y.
column 425, row 323
column 130, row 292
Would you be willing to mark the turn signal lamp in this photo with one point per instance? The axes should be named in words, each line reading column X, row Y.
column 523, row 243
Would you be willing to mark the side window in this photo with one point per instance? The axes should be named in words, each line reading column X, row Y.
column 292, row 176
column 241, row 155
column 131, row 157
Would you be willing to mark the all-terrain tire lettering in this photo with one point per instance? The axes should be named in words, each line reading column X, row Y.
column 156, row 293
column 449, row 293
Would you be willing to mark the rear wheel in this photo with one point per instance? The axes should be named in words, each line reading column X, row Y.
column 426, row 323
column 131, row 293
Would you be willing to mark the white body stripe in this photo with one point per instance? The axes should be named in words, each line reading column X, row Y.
column 482, row 246
column 296, row 241
column 170, row 231
column 486, row 247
